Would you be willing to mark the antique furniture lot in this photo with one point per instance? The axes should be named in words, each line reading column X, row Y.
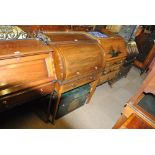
column 139, row 111
column 78, row 61
column 27, row 71
column 68, row 62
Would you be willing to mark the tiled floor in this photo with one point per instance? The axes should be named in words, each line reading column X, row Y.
column 102, row 112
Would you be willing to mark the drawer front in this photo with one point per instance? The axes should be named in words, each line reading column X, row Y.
column 26, row 95
column 74, row 60
column 103, row 79
column 112, row 75
column 22, row 70
column 107, row 77
column 111, row 69
column 77, row 83
column 116, row 62
column 28, row 71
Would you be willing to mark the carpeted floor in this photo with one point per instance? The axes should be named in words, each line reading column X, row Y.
column 102, row 112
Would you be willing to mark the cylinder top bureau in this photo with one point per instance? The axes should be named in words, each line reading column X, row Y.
column 27, row 71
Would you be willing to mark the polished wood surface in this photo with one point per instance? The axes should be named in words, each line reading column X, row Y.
column 26, row 71
column 78, row 60
column 134, row 116
column 33, row 29
column 72, row 37
column 15, row 48
column 30, row 69
column 114, row 52
column 135, row 122
column 75, row 55
column 50, row 28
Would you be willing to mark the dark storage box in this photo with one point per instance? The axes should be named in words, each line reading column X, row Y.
column 72, row 100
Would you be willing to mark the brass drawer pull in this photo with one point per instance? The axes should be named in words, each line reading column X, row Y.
column 42, row 91
column 78, row 73
column 4, row 102
column 73, row 85
column 96, row 68
column 90, row 77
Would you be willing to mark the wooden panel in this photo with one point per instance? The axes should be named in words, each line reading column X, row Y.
column 75, row 37
column 108, row 76
column 26, row 71
column 26, row 95
column 23, row 71
column 81, row 59
column 77, row 83
column 17, row 48
column 75, row 59
column 135, row 122
column 114, row 46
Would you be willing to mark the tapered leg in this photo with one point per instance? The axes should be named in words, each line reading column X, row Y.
column 56, row 107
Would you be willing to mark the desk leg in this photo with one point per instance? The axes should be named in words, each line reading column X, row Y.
column 93, row 88
column 49, row 107
column 56, row 106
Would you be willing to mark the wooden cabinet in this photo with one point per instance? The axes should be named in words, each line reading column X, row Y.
column 76, row 56
column 139, row 111
column 78, row 60
column 132, row 122
column 27, row 71
column 114, row 51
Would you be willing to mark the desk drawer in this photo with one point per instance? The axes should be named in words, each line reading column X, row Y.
column 116, row 62
column 79, row 82
column 107, row 77
column 26, row 95
column 111, row 69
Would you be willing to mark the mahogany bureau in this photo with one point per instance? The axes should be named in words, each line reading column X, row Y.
column 114, row 51
column 78, row 61
column 27, row 71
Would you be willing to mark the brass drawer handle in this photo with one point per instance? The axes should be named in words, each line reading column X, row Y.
column 42, row 91
column 96, row 68
column 73, row 85
column 90, row 77
column 78, row 73
column 4, row 102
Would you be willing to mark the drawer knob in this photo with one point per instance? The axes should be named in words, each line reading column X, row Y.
column 73, row 84
column 78, row 73
column 41, row 90
column 90, row 77
column 17, row 52
column 96, row 67
column 5, row 102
